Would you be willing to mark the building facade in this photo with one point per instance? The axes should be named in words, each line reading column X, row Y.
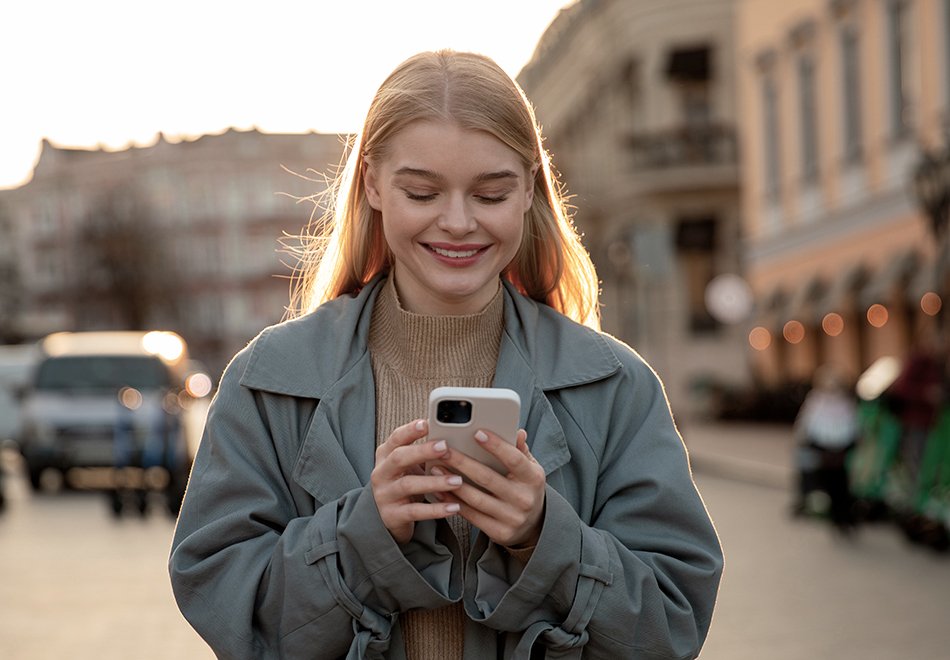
column 637, row 105
column 177, row 235
column 838, row 97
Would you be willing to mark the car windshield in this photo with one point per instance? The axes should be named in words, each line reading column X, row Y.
column 99, row 372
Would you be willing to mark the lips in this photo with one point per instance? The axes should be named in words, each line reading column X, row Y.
column 456, row 254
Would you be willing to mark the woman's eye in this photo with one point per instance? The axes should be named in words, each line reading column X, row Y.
column 420, row 197
column 491, row 199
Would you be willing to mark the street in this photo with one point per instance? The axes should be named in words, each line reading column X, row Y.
column 79, row 583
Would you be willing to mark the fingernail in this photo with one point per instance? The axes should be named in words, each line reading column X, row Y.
column 452, row 508
column 480, row 436
column 441, row 446
column 420, row 425
column 437, row 472
column 455, row 480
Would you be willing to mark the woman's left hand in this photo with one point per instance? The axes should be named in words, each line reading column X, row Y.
column 508, row 508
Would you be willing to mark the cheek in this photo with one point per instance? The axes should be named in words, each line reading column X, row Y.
column 514, row 232
column 401, row 223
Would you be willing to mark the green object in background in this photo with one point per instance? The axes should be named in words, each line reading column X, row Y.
column 870, row 465
column 933, row 484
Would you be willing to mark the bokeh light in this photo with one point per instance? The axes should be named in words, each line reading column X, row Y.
column 167, row 345
column 793, row 332
column 877, row 315
column 931, row 303
column 198, row 385
column 760, row 338
column 832, row 324
column 131, row 398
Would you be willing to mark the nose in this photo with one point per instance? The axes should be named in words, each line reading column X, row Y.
column 456, row 217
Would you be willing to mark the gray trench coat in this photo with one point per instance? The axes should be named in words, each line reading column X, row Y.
column 279, row 551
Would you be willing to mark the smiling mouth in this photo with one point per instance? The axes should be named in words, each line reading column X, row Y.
column 455, row 254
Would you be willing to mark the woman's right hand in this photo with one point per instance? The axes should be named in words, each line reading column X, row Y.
column 399, row 481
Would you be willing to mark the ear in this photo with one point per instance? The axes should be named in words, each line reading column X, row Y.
column 529, row 188
column 371, row 186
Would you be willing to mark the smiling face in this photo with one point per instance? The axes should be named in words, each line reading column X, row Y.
column 452, row 203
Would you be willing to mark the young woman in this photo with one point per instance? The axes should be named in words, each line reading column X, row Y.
column 448, row 259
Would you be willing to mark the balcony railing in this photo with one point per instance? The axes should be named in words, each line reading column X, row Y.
column 684, row 146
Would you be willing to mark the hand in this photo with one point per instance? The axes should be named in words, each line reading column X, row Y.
column 508, row 508
column 399, row 481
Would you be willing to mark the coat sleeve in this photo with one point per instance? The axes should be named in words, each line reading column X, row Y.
column 637, row 575
column 257, row 577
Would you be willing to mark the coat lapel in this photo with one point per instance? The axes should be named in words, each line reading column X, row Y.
column 545, row 435
column 339, row 451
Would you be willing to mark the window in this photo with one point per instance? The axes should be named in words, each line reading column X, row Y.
column 851, row 122
column 770, row 139
column 807, row 117
column 896, row 44
column 696, row 248
column 97, row 372
column 691, row 70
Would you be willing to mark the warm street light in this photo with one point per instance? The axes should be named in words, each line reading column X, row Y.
column 931, row 184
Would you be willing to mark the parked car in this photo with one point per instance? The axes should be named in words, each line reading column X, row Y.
column 107, row 410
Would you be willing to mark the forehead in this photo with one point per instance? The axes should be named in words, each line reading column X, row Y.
column 447, row 148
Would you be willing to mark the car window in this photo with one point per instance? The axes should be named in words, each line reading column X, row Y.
column 97, row 372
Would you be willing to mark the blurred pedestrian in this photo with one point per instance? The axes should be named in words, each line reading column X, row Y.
column 917, row 397
column 917, row 394
column 827, row 429
column 450, row 260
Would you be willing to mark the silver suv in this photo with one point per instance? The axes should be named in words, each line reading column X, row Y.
column 108, row 410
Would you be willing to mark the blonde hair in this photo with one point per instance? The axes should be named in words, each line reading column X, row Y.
column 345, row 247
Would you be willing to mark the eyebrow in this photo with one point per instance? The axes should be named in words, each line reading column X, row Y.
column 435, row 176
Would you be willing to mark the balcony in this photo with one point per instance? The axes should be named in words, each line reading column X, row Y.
column 688, row 157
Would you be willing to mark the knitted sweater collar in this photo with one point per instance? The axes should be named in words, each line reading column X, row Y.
column 435, row 347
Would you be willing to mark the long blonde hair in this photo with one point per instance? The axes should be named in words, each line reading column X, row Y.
column 344, row 248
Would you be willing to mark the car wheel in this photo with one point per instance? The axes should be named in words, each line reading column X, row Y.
column 36, row 477
column 175, row 491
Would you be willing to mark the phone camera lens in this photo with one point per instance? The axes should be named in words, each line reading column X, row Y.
column 454, row 411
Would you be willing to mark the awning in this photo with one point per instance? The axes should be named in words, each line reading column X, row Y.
column 807, row 300
column 769, row 309
column 843, row 292
column 894, row 277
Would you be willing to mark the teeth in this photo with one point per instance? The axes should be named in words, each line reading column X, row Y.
column 455, row 254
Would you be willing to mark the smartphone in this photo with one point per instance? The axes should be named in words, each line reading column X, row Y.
column 456, row 413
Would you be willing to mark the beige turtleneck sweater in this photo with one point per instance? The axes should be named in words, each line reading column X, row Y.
column 411, row 354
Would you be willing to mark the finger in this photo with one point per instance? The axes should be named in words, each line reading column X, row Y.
column 516, row 458
column 402, row 436
column 474, row 471
column 521, row 442
column 417, row 511
column 412, row 486
column 399, row 519
column 408, row 459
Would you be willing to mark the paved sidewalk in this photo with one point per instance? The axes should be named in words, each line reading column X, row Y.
column 761, row 454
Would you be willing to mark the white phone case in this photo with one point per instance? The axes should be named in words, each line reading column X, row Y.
column 494, row 409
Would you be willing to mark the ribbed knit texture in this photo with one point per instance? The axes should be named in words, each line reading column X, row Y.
column 411, row 354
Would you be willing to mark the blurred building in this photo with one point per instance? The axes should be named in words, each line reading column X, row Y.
column 638, row 107
column 177, row 235
column 837, row 98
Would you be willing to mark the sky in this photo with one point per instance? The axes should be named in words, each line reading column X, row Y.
column 111, row 73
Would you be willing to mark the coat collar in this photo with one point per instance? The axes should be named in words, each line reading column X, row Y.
column 324, row 356
column 306, row 357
